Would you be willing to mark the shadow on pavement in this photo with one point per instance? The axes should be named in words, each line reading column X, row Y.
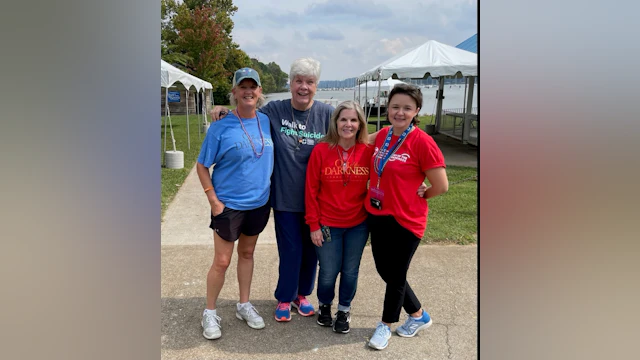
column 181, row 329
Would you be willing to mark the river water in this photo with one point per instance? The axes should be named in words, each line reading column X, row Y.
column 454, row 97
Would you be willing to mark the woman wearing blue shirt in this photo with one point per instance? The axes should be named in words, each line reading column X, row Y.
column 241, row 149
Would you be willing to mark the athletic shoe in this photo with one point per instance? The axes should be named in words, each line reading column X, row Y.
column 303, row 305
column 249, row 314
column 412, row 326
column 324, row 315
column 211, row 328
column 380, row 338
column 283, row 311
column 341, row 325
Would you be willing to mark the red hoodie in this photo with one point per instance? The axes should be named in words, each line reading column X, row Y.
column 328, row 201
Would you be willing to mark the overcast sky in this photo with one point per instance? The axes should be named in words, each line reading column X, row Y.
column 348, row 37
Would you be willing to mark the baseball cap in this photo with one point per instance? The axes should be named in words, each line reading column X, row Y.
column 245, row 73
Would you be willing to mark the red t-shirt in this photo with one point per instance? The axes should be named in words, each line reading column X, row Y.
column 327, row 200
column 401, row 177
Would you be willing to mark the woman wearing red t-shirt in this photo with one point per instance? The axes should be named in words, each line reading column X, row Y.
column 403, row 156
column 336, row 187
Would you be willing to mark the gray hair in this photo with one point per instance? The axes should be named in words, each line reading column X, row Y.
column 305, row 67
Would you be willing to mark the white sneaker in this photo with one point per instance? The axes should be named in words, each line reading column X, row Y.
column 380, row 338
column 211, row 328
column 249, row 314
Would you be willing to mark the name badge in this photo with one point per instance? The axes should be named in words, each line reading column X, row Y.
column 377, row 195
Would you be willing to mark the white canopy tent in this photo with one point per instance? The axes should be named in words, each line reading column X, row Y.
column 429, row 59
column 387, row 84
column 171, row 76
column 384, row 86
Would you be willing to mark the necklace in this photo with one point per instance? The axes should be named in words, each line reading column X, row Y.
column 293, row 118
column 249, row 136
column 344, row 159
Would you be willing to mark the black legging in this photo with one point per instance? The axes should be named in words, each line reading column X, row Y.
column 393, row 247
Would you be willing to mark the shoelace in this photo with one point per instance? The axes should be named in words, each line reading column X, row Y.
column 410, row 323
column 210, row 318
column 303, row 301
column 252, row 312
column 341, row 315
column 283, row 306
column 381, row 330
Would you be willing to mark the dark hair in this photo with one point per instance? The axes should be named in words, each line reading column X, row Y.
column 411, row 91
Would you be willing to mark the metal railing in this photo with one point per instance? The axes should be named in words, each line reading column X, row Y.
column 453, row 124
column 474, row 110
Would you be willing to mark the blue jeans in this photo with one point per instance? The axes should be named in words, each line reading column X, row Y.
column 341, row 255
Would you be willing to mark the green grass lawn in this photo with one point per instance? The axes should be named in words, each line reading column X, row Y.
column 452, row 216
column 172, row 179
column 424, row 120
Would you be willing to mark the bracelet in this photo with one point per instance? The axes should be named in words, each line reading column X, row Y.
column 208, row 188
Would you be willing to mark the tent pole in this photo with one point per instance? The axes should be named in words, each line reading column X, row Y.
column 464, row 101
column 206, row 108
column 439, row 102
column 188, row 135
column 354, row 93
column 378, row 97
column 366, row 96
column 466, row 130
column 173, row 138
column 166, row 105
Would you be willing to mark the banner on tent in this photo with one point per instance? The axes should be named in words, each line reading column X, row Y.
column 174, row 96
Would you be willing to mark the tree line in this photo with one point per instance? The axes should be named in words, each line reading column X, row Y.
column 196, row 37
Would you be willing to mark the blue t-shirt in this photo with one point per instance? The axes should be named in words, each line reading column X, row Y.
column 290, row 165
column 240, row 179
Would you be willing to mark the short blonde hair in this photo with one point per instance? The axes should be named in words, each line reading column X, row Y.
column 332, row 136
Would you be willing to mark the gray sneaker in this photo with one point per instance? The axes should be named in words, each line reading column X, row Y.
column 211, row 328
column 413, row 326
column 249, row 314
column 380, row 338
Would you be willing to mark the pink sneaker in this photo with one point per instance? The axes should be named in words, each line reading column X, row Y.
column 304, row 306
column 283, row 311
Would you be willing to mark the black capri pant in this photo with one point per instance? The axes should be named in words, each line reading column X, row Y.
column 393, row 247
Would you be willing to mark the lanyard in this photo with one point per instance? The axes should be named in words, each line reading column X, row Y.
column 380, row 161
column 258, row 154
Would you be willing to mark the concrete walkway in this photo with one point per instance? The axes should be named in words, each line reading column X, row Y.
column 443, row 277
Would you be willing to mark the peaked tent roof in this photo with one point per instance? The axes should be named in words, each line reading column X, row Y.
column 387, row 84
column 433, row 58
column 471, row 44
column 170, row 75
